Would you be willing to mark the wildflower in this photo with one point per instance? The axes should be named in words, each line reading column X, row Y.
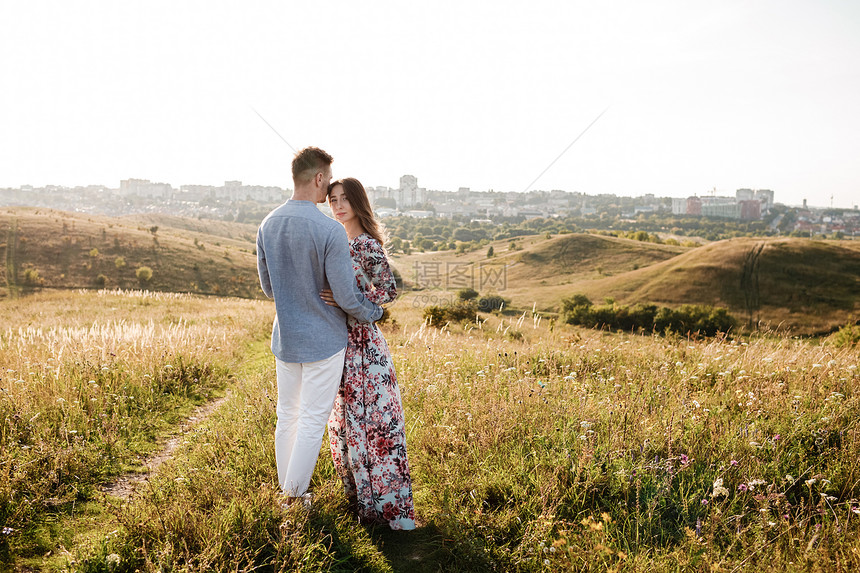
column 546, row 562
column 719, row 489
column 734, row 463
column 856, row 509
column 8, row 531
column 756, row 482
column 704, row 502
column 684, row 460
column 743, row 487
column 810, row 482
column 776, row 437
column 113, row 560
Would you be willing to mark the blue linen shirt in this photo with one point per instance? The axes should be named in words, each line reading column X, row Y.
column 300, row 252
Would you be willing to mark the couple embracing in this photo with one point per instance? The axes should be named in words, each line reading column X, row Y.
column 328, row 279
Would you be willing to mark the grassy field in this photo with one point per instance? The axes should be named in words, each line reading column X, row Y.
column 534, row 446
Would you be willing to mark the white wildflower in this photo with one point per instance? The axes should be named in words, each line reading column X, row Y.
column 719, row 489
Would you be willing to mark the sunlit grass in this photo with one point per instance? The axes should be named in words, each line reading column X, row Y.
column 83, row 398
column 534, row 446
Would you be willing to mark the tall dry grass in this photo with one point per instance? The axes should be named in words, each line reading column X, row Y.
column 89, row 381
column 534, row 446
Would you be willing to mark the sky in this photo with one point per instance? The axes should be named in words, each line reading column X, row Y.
column 696, row 97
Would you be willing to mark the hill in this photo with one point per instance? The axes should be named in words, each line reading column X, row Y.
column 808, row 286
column 216, row 228
column 811, row 286
column 537, row 270
column 57, row 249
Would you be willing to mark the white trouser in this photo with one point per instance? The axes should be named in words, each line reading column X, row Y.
column 306, row 393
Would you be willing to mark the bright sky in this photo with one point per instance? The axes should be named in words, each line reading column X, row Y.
column 700, row 95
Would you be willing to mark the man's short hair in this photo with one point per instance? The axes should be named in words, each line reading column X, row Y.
column 308, row 162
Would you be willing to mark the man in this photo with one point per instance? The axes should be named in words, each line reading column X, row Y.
column 300, row 252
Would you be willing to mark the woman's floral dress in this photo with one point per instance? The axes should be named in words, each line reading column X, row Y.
column 367, row 432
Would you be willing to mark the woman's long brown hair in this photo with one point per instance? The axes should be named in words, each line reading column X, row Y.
column 357, row 197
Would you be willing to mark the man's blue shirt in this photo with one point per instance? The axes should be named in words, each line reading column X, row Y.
column 300, row 252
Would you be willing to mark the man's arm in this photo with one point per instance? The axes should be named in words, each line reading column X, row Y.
column 341, row 279
column 262, row 269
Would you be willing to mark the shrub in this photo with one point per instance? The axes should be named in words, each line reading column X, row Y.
column 434, row 315
column 492, row 302
column 32, row 277
column 846, row 337
column 568, row 304
column 143, row 274
column 464, row 310
column 440, row 315
column 688, row 319
column 94, row 253
column 101, row 281
column 119, row 262
column 467, row 294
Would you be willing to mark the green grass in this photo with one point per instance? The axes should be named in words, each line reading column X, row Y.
column 557, row 449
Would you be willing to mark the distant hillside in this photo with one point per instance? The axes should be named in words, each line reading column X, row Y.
column 808, row 286
column 214, row 227
column 537, row 270
column 57, row 249
column 811, row 286
column 587, row 255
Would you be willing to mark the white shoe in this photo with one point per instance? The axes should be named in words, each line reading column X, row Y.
column 306, row 501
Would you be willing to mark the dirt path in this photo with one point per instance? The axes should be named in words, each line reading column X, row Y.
column 124, row 485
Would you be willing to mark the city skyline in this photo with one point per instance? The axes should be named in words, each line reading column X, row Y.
column 487, row 96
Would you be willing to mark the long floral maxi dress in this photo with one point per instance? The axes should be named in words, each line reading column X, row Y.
column 367, row 431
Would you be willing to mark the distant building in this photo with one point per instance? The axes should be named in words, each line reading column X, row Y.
column 145, row 188
column 726, row 210
column 750, row 210
column 419, row 214
column 194, row 193
column 409, row 194
column 385, row 212
column 766, row 198
column 744, row 194
column 694, row 206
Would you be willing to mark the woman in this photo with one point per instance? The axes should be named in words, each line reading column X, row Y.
column 367, row 432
